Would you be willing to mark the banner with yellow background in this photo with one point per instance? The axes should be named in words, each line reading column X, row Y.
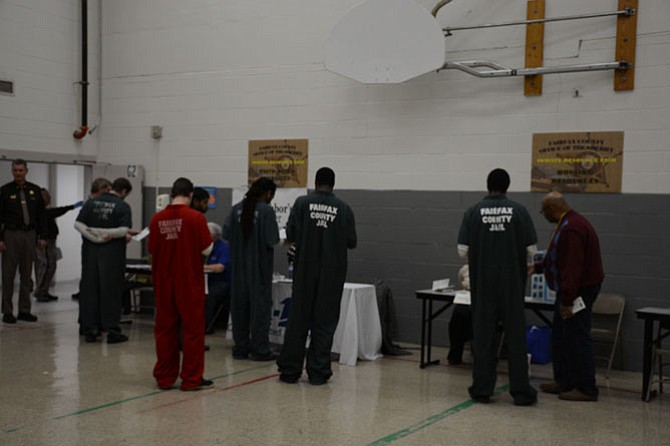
column 282, row 160
column 577, row 162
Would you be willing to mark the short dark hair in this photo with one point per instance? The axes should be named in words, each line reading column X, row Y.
column 19, row 162
column 121, row 184
column 200, row 194
column 181, row 187
column 498, row 181
column 325, row 176
column 100, row 183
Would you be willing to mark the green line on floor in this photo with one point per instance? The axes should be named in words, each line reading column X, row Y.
column 9, row 431
column 430, row 420
column 157, row 392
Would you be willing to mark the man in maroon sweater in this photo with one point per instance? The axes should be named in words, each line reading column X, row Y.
column 573, row 268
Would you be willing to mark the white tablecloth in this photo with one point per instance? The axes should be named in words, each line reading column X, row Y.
column 358, row 333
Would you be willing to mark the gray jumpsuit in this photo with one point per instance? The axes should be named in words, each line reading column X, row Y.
column 103, row 265
column 323, row 228
column 251, row 282
column 498, row 232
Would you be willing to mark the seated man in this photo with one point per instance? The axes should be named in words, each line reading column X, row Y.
column 217, row 266
column 460, row 325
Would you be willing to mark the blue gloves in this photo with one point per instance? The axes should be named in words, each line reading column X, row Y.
column 78, row 204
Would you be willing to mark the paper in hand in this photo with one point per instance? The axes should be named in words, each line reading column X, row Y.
column 578, row 305
column 142, row 234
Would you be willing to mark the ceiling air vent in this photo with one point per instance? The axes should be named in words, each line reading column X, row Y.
column 6, row 87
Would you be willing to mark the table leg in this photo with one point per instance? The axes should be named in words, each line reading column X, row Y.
column 646, row 361
column 544, row 318
column 427, row 317
column 423, row 333
column 430, row 332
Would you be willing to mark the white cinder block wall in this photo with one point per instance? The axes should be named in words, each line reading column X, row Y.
column 40, row 51
column 215, row 74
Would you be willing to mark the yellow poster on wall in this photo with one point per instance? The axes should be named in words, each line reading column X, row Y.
column 282, row 160
column 577, row 162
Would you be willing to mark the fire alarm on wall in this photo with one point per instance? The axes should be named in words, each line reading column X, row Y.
column 156, row 131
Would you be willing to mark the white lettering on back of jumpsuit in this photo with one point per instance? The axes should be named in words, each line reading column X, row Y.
column 170, row 228
column 322, row 213
column 497, row 217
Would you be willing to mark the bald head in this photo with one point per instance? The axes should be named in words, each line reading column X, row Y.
column 554, row 206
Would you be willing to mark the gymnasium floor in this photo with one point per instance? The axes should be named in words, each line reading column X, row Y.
column 58, row 390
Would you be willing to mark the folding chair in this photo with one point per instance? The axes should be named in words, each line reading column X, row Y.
column 216, row 316
column 657, row 360
column 607, row 316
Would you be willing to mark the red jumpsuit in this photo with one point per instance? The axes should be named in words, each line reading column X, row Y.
column 177, row 237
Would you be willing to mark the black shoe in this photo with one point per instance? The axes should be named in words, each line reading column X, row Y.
column 8, row 319
column 238, row 355
column 51, row 297
column 41, row 297
column 291, row 379
column 527, row 398
column 116, row 339
column 205, row 383
column 91, row 337
column 260, row 358
column 26, row 317
column 206, row 347
column 525, row 401
column 483, row 399
column 316, row 381
column 75, row 296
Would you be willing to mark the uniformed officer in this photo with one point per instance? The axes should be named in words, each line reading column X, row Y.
column 22, row 226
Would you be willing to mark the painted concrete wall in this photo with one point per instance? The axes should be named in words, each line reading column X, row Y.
column 217, row 74
column 40, row 51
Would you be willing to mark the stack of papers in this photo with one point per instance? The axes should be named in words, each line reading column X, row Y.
column 440, row 285
column 462, row 297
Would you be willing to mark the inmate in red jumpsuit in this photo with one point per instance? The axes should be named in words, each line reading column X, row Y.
column 177, row 237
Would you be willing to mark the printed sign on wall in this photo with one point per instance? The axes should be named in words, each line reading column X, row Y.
column 577, row 162
column 282, row 203
column 282, row 160
column 211, row 204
